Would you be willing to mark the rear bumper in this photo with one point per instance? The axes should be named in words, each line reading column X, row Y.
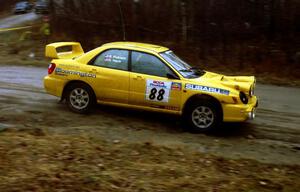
column 240, row 112
column 53, row 86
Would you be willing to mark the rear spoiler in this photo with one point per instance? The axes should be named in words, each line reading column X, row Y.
column 69, row 50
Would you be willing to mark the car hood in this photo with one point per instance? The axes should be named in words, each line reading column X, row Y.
column 236, row 84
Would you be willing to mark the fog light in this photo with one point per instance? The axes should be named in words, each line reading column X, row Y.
column 251, row 115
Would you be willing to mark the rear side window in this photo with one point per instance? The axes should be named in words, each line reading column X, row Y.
column 148, row 64
column 114, row 59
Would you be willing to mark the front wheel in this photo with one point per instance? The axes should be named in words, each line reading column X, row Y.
column 202, row 116
column 80, row 98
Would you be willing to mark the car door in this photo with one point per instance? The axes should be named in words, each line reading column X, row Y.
column 149, row 85
column 112, row 76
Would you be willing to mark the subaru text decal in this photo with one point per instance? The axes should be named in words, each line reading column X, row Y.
column 207, row 89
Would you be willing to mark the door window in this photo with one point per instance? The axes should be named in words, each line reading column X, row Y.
column 148, row 64
column 114, row 59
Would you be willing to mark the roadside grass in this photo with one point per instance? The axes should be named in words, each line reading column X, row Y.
column 14, row 50
column 5, row 14
column 25, row 47
column 13, row 61
column 34, row 160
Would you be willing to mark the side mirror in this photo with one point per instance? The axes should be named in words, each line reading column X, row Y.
column 172, row 76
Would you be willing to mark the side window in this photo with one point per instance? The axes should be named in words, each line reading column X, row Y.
column 114, row 59
column 148, row 64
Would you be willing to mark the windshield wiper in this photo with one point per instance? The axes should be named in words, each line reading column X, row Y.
column 198, row 70
column 186, row 70
column 193, row 69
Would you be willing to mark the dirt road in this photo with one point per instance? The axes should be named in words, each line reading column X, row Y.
column 17, row 20
column 273, row 137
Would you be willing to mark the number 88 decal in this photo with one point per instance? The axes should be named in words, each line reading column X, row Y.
column 160, row 95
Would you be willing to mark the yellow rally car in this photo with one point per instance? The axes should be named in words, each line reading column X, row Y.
column 148, row 77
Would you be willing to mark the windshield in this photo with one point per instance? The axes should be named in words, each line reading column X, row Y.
column 182, row 67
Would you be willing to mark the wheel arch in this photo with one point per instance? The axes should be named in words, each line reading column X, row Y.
column 72, row 82
column 203, row 97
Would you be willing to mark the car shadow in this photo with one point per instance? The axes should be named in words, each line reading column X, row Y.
column 162, row 121
column 173, row 123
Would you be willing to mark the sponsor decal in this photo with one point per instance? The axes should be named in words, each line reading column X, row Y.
column 70, row 66
column 176, row 86
column 62, row 72
column 158, row 91
column 157, row 106
column 107, row 58
column 165, row 107
column 207, row 89
column 114, row 58
column 172, row 108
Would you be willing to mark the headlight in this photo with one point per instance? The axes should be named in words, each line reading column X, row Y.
column 243, row 97
column 251, row 91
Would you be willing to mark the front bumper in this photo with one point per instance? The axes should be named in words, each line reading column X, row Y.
column 252, row 114
column 240, row 112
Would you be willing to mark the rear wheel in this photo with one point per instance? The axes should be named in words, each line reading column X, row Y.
column 80, row 98
column 202, row 116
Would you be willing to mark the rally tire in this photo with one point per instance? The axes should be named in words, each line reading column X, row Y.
column 80, row 98
column 202, row 116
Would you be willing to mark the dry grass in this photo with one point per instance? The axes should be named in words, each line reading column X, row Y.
column 14, row 51
column 33, row 160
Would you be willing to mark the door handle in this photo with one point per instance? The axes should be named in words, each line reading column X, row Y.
column 93, row 70
column 138, row 77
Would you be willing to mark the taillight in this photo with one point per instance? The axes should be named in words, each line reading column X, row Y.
column 51, row 68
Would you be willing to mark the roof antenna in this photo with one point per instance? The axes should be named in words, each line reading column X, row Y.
column 122, row 20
